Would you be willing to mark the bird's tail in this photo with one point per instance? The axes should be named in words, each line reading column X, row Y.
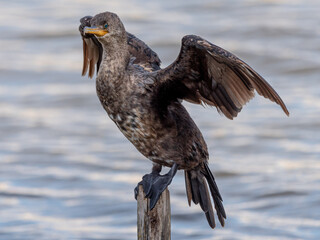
column 197, row 191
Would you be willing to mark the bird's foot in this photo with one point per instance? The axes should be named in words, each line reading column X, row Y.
column 154, row 184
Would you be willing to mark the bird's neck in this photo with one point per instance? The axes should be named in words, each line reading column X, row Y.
column 112, row 74
column 114, row 62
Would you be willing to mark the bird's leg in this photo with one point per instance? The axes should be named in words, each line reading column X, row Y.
column 154, row 183
column 148, row 179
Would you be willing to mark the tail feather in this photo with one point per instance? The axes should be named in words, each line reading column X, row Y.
column 195, row 188
column 217, row 199
column 188, row 186
column 204, row 197
column 212, row 183
column 209, row 213
column 198, row 192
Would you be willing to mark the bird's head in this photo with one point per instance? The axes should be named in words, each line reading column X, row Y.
column 108, row 28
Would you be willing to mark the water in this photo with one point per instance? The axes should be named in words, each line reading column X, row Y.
column 66, row 172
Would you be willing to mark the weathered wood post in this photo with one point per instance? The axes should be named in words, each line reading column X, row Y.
column 154, row 224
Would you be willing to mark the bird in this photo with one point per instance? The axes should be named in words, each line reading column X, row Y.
column 145, row 102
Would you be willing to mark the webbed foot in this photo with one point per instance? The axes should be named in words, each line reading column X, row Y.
column 154, row 184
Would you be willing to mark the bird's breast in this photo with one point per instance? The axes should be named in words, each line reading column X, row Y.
column 136, row 128
column 130, row 108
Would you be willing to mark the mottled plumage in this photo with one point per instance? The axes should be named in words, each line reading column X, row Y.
column 145, row 101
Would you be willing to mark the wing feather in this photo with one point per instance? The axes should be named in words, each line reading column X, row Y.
column 215, row 77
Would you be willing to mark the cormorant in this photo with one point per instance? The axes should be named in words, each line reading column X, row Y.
column 144, row 101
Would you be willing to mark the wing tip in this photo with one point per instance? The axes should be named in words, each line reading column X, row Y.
column 282, row 105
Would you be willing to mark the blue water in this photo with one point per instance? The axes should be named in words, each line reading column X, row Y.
column 66, row 172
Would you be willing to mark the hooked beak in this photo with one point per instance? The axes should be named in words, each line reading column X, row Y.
column 96, row 31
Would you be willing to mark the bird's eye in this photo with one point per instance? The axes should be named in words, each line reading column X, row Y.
column 106, row 25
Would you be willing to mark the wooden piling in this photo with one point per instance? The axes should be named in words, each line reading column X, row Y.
column 154, row 224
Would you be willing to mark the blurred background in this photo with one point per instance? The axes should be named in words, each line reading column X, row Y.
column 66, row 172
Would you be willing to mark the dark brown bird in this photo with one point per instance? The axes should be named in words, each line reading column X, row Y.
column 144, row 101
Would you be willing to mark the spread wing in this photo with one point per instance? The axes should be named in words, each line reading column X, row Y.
column 206, row 73
column 92, row 51
column 142, row 53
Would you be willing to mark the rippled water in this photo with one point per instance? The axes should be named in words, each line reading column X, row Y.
column 67, row 173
